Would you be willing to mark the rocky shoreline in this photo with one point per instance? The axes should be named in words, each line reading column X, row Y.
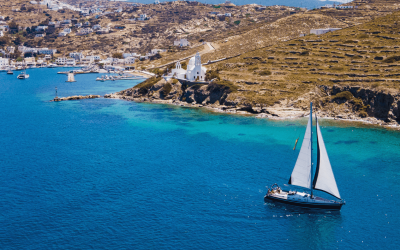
column 273, row 113
column 75, row 97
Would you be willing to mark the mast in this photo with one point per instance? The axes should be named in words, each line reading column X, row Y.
column 311, row 186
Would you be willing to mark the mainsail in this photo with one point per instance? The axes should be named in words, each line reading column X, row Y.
column 301, row 175
column 324, row 179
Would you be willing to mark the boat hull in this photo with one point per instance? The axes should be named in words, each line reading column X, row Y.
column 330, row 206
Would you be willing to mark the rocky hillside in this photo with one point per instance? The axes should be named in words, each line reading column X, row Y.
column 350, row 73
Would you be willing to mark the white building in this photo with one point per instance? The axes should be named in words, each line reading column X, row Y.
column 67, row 30
column 322, row 31
column 40, row 35
column 85, row 31
column 29, row 61
column 76, row 55
column 61, row 60
column 41, row 28
column 155, row 51
column 96, row 27
column 4, row 62
column 10, row 49
column 62, row 34
column 194, row 72
column 178, row 72
column 194, row 69
column 228, row 14
column 46, row 51
column 94, row 58
column 78, row 25
column 183, row 42
column 130, row 60
column 1, row 33
column 142, row 17
column 70, row 62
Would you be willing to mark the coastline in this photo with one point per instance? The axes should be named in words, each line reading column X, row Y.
column 290, row 114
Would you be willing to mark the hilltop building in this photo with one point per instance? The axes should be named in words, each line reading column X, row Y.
column 194, row 72
column 322, row 31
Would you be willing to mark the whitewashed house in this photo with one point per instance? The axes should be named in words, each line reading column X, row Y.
column 70, row 62
column 1, row 33
column 4, row 62
column 10, row 49
column 85, row 31
column 142, row 17
column 130, row 60
column 76, row 55
column 40, row 35
column 228, row 14
column 183, row 42
column 67, row 30
column 322, row 31
column 46, row 51
column 96, row 27
column 61, row 60
column 41, row 28
column 62, row 34
column 95, row 58
column 78, row 25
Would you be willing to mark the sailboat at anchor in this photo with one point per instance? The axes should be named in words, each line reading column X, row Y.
column 302, row 176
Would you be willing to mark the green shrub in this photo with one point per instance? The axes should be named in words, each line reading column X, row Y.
column 232, row 87
column 265, row 73
column 212, row 74
column 345, row 94
column 375, row 85
column 147, row 84
column 166, row 89
column 237, row 22
column 392, row 59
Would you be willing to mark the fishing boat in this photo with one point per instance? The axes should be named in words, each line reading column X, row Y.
column 302, row 176
column 23, row 75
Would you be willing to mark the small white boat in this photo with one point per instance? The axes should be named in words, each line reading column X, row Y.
column 71, row 77
column 10, row 72
column 23, row 75
column 302, row 176
column 51, row 65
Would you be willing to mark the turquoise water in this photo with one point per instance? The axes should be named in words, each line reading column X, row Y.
column 112, row 174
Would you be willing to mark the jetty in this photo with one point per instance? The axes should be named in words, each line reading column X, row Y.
column 75, row 97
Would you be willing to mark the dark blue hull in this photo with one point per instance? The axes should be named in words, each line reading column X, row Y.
column 332, row 206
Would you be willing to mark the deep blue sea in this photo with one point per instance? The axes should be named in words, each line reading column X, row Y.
column 113, row 174
column 309, row 4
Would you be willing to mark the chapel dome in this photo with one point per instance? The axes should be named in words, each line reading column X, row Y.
column 192, row 61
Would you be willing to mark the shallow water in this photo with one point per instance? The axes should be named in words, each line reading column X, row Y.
column 112, row 174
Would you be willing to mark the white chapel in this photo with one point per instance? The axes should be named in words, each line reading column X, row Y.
column 194, row 72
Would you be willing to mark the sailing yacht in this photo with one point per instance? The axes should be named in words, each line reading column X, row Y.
column 302, row 176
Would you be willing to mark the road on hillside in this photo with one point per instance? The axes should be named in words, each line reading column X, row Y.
column 207, row 49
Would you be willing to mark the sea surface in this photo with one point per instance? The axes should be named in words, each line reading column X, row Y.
column 309, row 4
column 114, row 174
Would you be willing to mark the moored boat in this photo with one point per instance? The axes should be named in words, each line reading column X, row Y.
column 23, row 75
column 302, row 176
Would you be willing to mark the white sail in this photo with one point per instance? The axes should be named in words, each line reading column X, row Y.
column 301, row 175
column 324, row 179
